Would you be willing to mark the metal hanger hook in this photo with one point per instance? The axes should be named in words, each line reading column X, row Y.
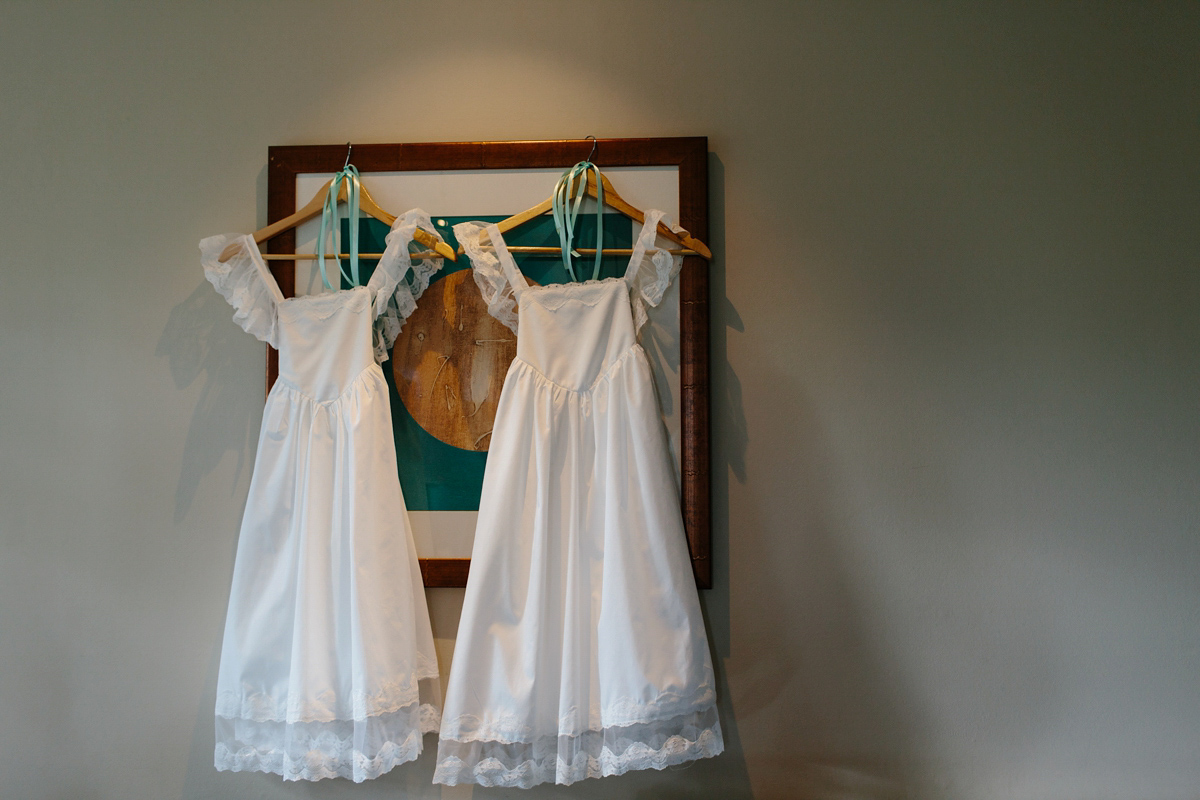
column 595, row 141
column 349, row 147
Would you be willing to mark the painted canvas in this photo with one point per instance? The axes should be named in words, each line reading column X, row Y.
column 449, row 362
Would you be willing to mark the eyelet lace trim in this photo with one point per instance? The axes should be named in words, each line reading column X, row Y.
column 396, row 298
column 244, row 281
column 506, row 727
column 489, row 276
column 324, row 305
column 591, row 754
column 325, row 706
column 549, row 287
column 555, row 295
column 651, row 271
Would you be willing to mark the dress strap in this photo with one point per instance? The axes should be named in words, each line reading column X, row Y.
column 329, row 218
column 645, row 241
column 515, row 278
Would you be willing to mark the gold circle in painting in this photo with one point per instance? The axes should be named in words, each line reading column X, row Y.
column 450, row 361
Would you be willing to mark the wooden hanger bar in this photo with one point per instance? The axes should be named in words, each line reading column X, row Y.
column 315, row 206
column 614, row 201
column 313, row 256
column 586, row 251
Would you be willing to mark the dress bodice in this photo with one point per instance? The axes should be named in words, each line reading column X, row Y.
column 572, row 332
column 325, row 341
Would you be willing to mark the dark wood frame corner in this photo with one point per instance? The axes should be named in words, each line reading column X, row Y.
column 689, row 154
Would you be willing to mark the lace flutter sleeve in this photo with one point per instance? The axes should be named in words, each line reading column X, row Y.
column 244, row 280
column 651, row 269
column 398, row 281
column 489, row 275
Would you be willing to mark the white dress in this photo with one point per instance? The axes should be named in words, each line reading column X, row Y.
column 327, row 663
column 581, row 651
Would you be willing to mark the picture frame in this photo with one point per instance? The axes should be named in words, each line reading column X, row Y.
column 687, row 156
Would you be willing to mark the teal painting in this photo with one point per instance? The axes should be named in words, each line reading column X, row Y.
column 435, row 475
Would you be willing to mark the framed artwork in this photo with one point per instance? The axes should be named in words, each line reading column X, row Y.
column 451, row 357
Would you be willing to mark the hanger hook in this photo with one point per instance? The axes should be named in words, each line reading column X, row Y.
column 349, row 147
column 595, row 141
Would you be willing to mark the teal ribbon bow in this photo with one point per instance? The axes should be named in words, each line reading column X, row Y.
column 566, row 212
column 329, row 218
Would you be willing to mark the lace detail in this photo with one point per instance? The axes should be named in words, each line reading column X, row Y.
column 430, row 717
column 591, row 754
column 396, row 298
column 508, row 727
column 324, row 305
column 325, row 706
column 488, row 273
column 650, row 273
column 555, row 295
column 246, row 283
column 568, row 284
column 355, row 749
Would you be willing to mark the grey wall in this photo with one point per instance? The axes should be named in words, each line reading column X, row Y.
column 955, row 346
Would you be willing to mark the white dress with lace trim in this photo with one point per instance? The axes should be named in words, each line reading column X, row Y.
column 581, row 650
column 327, row 663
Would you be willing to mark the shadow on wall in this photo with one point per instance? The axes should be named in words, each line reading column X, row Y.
column 729, row 432
column 815, row 697
column 200, row 339
column 728, row 455
column 821, row 712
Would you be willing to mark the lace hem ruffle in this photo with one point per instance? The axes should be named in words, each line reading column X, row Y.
column 355, row 749
column 591, row 754
column 489, row 276
column 327, row 706
column 498, row 726
column 396, row 298
column 245, row 282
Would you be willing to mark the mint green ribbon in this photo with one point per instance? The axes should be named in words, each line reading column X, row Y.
column 329, row 217
column 566, row 212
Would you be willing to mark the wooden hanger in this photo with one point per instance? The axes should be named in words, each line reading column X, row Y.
column 691, row 245
column 315, row 206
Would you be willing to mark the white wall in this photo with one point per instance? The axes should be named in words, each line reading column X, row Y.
column 955, row 343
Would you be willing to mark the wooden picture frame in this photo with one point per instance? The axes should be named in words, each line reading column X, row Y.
column 688, row 154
